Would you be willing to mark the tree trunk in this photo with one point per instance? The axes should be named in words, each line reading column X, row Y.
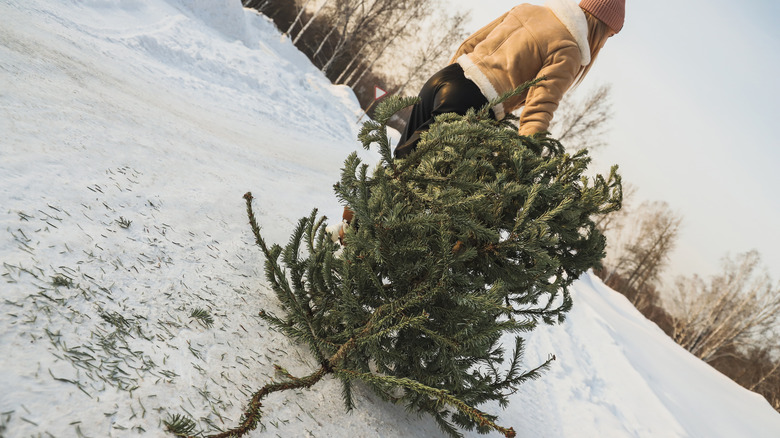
column 351, row 62
column 297, row 17
column 322, row 43
column 309, row 23
column 376, row 58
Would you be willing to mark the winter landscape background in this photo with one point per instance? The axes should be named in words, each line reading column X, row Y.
column 129, row 130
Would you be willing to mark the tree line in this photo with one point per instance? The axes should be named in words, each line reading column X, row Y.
column 393, row 44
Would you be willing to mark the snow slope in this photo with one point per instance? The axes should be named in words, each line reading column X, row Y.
column 129, row 130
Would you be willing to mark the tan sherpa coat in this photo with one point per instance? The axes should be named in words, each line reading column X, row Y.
column 525, row 43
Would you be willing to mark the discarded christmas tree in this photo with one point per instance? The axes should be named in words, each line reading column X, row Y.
column 476, row 234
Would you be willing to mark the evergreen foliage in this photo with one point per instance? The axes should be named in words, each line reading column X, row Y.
column 203, row 316
column 478, row 233
column 180, row 425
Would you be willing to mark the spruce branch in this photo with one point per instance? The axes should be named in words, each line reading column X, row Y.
column 440, row 395
column 180, row 425
column 251, row 416
column 203, row 316
column 299, row 313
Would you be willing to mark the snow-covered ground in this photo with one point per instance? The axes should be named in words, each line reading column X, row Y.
column 129, row 131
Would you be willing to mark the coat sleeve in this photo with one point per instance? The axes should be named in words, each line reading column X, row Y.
column 468, row 45
column 560, row 69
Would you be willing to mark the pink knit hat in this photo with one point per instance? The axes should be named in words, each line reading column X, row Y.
column 611, row 12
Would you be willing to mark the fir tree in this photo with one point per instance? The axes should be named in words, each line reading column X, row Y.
column 478, row 233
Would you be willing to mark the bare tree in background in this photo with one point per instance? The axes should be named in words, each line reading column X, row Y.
column 735, row 311
column 357, row 18
column 350, row 40
column 310, row 22
column 298, row 16
column 642, row 251
column 582, row 123
column 400, row 22
column 447, row 33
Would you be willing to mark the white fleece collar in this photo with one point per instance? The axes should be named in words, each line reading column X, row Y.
column 572, row 17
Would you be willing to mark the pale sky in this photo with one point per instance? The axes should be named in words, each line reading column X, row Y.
column 695, row 96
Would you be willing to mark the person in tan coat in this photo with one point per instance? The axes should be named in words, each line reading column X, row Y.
column 559, row 41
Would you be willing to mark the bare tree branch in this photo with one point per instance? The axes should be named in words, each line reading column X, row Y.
column 734, row 311
column 640, row 244
column 310, row 22
column 580, row 124
column 298, row 17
